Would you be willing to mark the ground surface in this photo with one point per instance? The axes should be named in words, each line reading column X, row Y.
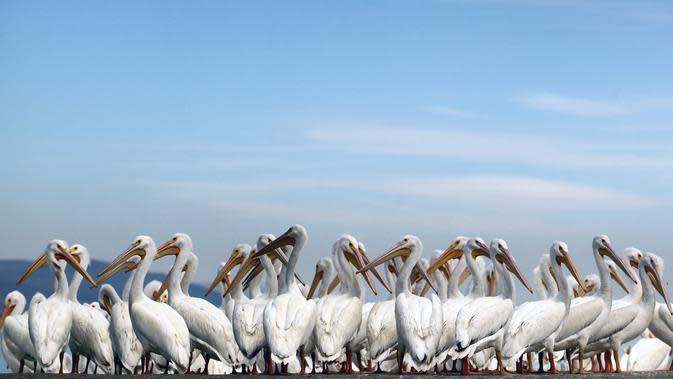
column 658, row 374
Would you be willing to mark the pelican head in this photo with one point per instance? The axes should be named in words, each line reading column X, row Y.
column 140, row 246
column 614, row 274
column 654, row 268
column 603, row 246
column 454, row 251
column 238, row 256
column 560, row 254
column 179, row 242
column 52, row 257
column 323, row 267
column 15, row 302
column 632, row 256
column 499, row 252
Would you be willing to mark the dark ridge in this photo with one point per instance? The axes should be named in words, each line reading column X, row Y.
column 43, row 281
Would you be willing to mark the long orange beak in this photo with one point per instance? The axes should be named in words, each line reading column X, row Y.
column 62, row 254
column 314, row 283
column 610, row 252
column 504, row 257
column 131, row 251
column 167, row 248
column 655, row 277
column 6, row 312
column 568, row 262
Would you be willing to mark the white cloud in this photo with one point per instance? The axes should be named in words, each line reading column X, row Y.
column 485, row 146
column 578, row 106
column 450, row 111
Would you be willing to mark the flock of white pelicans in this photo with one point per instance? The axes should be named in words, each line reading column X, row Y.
column 455, row 312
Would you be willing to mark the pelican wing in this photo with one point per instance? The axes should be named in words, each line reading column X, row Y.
column 208, row 327
column 381, row 329
column 49, row 323
column 16, row 330
column 337, row 321
column 164, row 329
column 664, row 315
column 532, row 323
column 91, row 331
column 583, row 311
column 618, row 320
column 127, row 346
column 481, row 318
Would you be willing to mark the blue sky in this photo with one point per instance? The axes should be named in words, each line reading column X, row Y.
column 526, row 120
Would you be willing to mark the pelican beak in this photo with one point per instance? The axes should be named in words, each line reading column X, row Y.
column 374, row 270
column 166, row 281
column 333, row 285
column 610, row 252
column 107, row 304
column 568, row 262
column 503, row 256
column 618, row 278
column 283, row 240
column 74, row 262
column 132, row 250
column 451, row 252
column 398, row 250
column 168, row 248
column 6, row 311
column 653, row 273
column 38, row 263
column 125, row 266
column 316, row 279
column 463, row 276
column 446, row 270
column 355, row 258
column 234, row 259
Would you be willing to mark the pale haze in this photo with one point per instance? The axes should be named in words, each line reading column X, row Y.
column 524, row 120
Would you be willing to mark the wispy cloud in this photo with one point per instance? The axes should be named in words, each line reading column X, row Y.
column 484, row 146
column 578, row 106
column 451, row 111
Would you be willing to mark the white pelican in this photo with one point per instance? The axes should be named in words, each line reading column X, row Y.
column 126, row 345
column 381, row 324
column 289, row 318
column 588, row 314
column 648, row 354
column 16, row 344
column 629, row 321
column 338, row 315
column 158, row 326
column 480, row 323
column 455, row 300
column 358, row 344
column 662, row 327
column 538, row 322
column 89, row 335
column 50, row 320
column 210, row 330
column 418, row 319
column 248, row 313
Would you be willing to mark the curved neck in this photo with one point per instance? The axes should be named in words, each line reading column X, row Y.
column 635, row 289
column 175, row 277
column 562, row 288
column 326, row 281
column 502, row 275
column 605, row 291
column 552, row 286
column 442, row 290
column 271, row 278
column 292, row 262
column 647, row 294
column 77, row 278
column 137, row 294
column 391, row 281
column 454, row 280
column 402, row 284
column 346, row 273
column 128, row 285
column 478, row 282
column 256, row 287
column 188, row 276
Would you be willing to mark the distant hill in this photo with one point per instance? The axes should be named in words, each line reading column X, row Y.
column 43, row 281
